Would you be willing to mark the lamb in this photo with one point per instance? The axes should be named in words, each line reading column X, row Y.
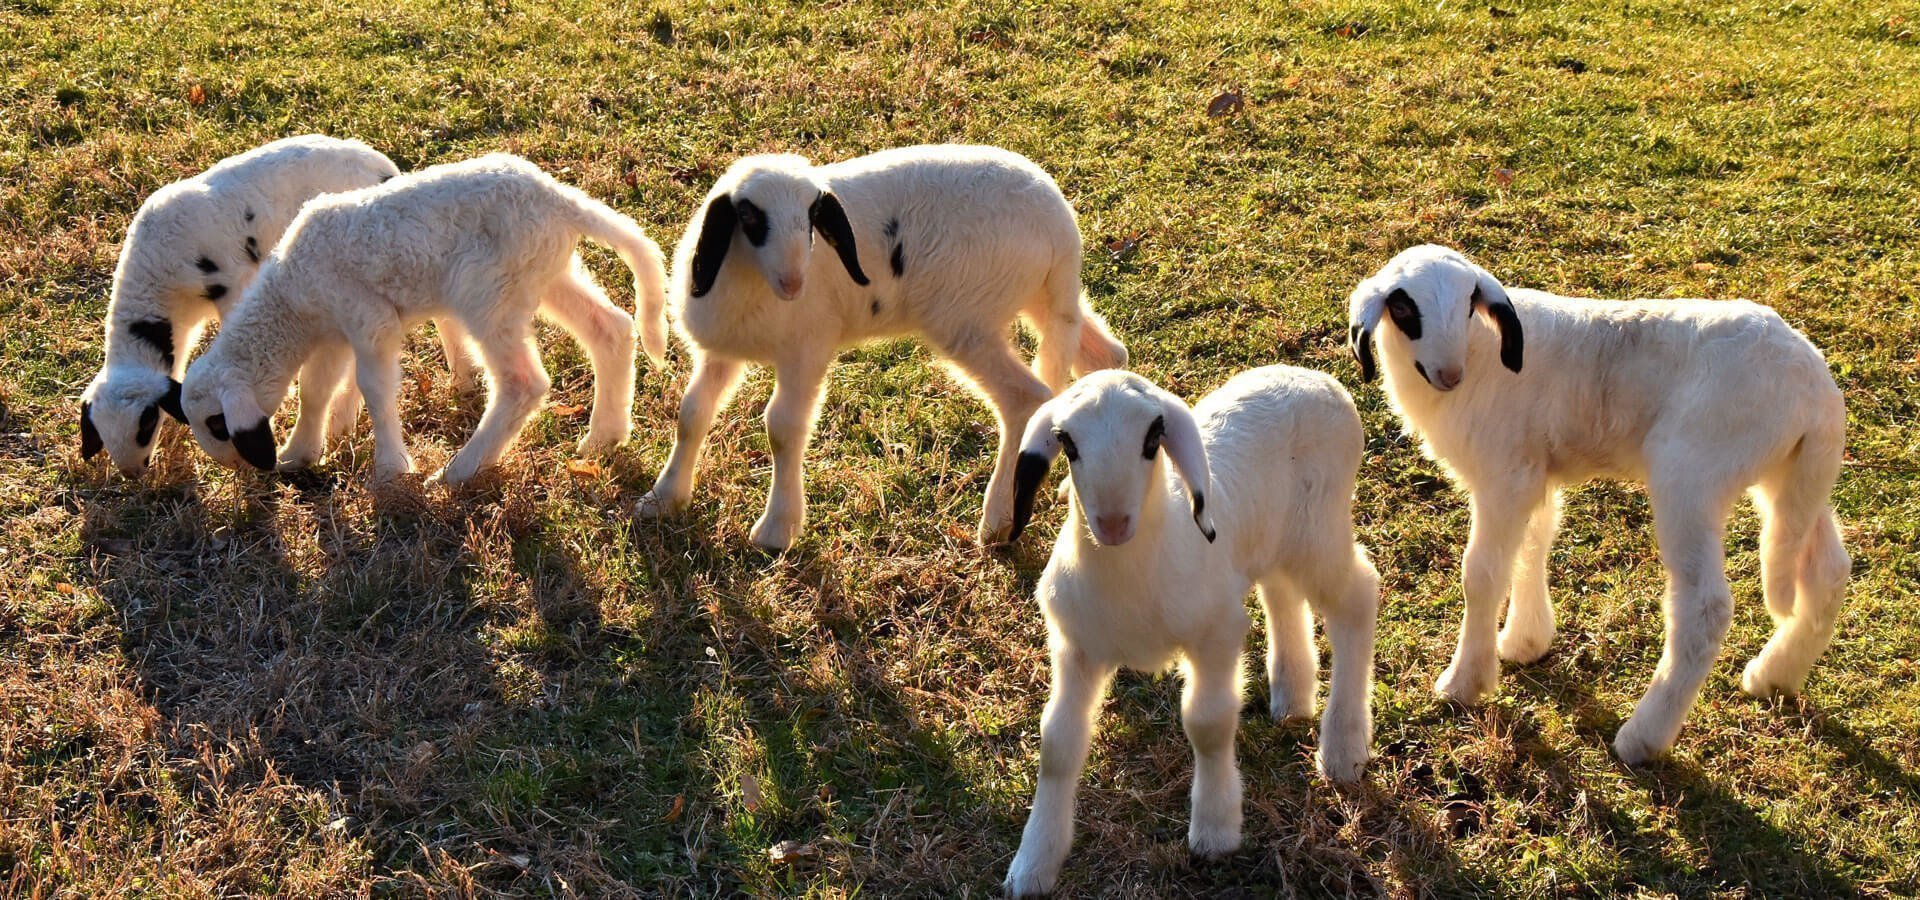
column 1268, row 461
column 1698, row 400
column 487, row 243
column 974, row 237
column 191, row 251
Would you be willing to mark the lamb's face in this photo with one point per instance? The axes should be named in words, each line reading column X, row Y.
column 225, row 416
column 1111, row 426
column 121, row 412
column 1110, row 432
column 768, row 209
column 1429, row 294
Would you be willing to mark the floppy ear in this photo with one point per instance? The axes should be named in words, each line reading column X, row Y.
column 1037, row 449
column 90, row 442
column 830, row 219
column 250, row 428
column 1189, row 455
column 716, row 235
column 170, row 402
column 1489, row 295
column 1364, row 308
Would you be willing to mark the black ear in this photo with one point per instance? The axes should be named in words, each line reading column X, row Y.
column 716, row 235
column 90, row 442
column 170, row 402
column 256, row 445
column 1513, row 340
column 1027, row 475
column 830, row 219
column 1360, row 341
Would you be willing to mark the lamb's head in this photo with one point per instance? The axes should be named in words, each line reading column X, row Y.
column 1430, row 293
column 120, row 413
column 1112, row 425
column 225, row 413
column 773, row 204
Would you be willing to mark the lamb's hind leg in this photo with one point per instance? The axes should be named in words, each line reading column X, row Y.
column 1690, row 523
column 517, row 383
column 1528, row 631
column 1015, row 392
column 606, row 332
column 1804, row 568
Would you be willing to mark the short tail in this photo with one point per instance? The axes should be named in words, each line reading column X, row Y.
column 1098, row 349
column 606, row 225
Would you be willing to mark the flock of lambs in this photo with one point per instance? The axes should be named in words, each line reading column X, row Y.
column 319, row 256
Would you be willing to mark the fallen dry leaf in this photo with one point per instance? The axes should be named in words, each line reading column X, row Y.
column 1226, row 104
column 749, row 792
column 583, row 468
column 1503, row 178
column 566, row 410
column 197, row 95
column 1122, row 247
column 673, row 812
column 1704, row 267
column 790, row 852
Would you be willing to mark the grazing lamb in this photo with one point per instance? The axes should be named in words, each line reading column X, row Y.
column 1131, row 584
column 486, row 243
column 1699, row 400
column 973, row 238
column 191, row 251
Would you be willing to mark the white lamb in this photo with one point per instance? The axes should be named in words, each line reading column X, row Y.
column 191, row 251
column 974, row 237
column 1131, row 584
column 1699, row 400
column 487, row 243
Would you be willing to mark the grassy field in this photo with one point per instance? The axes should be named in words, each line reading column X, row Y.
column 222, row 684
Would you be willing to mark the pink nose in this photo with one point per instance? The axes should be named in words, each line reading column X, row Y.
column 1113, row 530
column 1446, row 379
column 790, row 286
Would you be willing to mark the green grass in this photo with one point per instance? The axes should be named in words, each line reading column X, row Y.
column 219, row 684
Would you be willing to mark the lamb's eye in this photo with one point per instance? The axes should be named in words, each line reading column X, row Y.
column 753, row 221
column 149, row 420
column 1066, row 445
column 217, row 426
column 1155, row 432
column 1406, row 315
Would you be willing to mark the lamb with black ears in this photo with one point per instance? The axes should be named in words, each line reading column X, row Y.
column 1270, row 458
column 974, row 237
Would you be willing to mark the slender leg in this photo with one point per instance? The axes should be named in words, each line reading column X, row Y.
column 1529, row 628
column 1210, row 711
column 321, row 380
column 1066, row 730
column 712, row 384
column 517, row 384
column 606, row 332
column 1690, row 526
column 1293, row 660
column 1015, row 392
column 377, row 368
column 453, row 342
column 1819, row 573
column 790, row 413
column 1498, row 522
column 1346, row 728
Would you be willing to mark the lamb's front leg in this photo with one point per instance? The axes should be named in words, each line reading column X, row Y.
column 377, row 368
column 1066, row 731
column 321, row 380
column 1210, row 711
column 1499, row 520
column 790, row 413
column 708, row 390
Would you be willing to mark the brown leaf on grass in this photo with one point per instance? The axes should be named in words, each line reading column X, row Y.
column 197, row 95
column 789, row 852
column 1120, row 248
column 1503, row 178
column 1291, row 82
column 673, row 813
column 1704, row 267
column 566, row 410
column 1226, row 103
column 583, row 468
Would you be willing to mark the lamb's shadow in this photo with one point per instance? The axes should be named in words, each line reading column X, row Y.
column 1741, row 846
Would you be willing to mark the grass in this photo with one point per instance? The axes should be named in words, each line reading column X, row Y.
column 225, row 684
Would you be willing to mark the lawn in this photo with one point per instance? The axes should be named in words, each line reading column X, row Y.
column 220, row 683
